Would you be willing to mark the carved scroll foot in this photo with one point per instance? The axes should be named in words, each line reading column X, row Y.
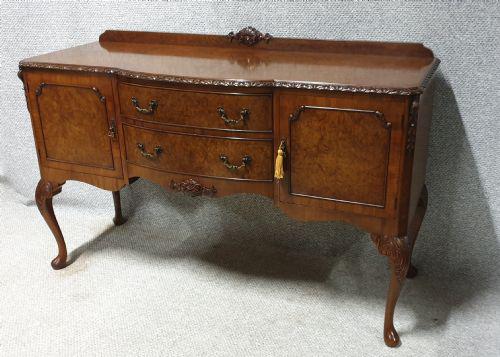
column 43, row 196
column 397, row 250
column 118, row 219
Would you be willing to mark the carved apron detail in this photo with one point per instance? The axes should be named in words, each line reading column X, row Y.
column 193, row 187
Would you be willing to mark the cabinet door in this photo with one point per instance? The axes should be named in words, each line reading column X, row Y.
column 73, row 117
column 339, row 152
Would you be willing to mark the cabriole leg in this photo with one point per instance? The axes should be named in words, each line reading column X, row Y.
column 118, row 219
column 397, row 251
column 45, row 190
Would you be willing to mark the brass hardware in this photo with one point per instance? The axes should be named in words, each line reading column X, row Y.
column 157, row 151
column 244, row 162
column 378, row 115
column 153, row 105
column 278, row 169
column 112, row 129
column 102, row 98
column 38, row 90
column 296, row 113
column 244, row 116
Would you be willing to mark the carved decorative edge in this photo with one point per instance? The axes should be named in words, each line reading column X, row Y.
column 397, row 250
column 224, row 82
column 249, row 36
column 379, row 115
column 411, row 133
column 193, row 187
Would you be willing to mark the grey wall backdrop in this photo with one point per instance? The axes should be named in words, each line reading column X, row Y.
column 460, row 237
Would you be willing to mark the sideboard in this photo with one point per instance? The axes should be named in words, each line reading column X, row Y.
column 330, row 130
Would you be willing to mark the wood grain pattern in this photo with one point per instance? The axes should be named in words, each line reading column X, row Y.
column 71, row 117
column 347, row 150
column 200, row 155
column 208, row 117
column 391, row 68
column 343, row 153
column 277, row 44
column 223, row 186
column 182, row 107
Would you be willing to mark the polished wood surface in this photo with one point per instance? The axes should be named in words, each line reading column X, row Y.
column 118, row 220
column 398, row 251
column 199, row 155
column 200, row 109
column 44, row 193
column 285, row 61
column 346, row 147
column 73, row 115
column 204, row 115
column 63, row 108
column 350, row 142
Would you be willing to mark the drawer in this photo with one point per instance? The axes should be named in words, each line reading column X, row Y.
column 215, row 110
column 191, row 154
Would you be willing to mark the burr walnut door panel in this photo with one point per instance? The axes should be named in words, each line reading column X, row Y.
column 339, row 152
column 74, row 121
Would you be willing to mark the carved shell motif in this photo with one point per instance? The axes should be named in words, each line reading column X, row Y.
column 249, row 36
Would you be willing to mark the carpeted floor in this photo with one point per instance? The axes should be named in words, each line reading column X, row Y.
column 222, row 277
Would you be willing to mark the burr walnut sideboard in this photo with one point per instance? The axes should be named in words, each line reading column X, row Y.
column 330, row 130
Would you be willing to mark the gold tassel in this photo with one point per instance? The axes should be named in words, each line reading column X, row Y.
column 278, row 171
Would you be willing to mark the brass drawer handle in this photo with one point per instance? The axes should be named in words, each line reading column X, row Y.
column 152, row 106
column 244, row 116
column 157, row 151
column 244, row 162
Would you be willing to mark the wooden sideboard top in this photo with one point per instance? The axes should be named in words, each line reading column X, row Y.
column 251, row 59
